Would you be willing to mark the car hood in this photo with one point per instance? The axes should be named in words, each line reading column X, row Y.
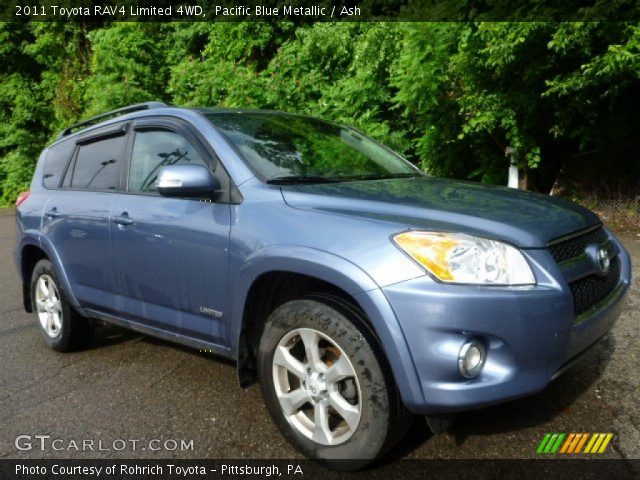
column 525, row 219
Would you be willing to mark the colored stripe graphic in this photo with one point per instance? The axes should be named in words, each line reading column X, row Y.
column 543, row 443
column 581, row 443
column 596, row 446
column 556, row 446
column 574, row 442
column 568, row 442
column 592, row 441
column 605, row 442
column 598, row 443
column 550, row 443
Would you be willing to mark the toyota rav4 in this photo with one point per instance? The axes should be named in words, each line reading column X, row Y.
column 356, row 289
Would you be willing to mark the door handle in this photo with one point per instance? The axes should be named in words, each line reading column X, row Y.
column 53, row 213
column 122, row 220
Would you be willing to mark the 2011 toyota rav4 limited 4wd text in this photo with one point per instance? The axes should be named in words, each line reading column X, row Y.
column 357, row 290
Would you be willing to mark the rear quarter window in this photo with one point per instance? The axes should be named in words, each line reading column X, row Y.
column 56, row 162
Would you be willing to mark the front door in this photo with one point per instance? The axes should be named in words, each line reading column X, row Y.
column 171, row 254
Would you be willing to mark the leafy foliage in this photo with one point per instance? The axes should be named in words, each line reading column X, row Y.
column 450, row 96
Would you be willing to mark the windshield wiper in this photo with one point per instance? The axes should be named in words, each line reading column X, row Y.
column 382, row 176
column 297, row 180
column 302, row 179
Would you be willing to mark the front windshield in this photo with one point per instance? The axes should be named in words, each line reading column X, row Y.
column 285, row 148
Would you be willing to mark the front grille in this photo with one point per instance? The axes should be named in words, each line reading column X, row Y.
column 592, row 289
column 588, row 291
column 575, row 246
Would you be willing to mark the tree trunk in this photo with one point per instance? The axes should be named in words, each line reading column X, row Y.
column 523, row 182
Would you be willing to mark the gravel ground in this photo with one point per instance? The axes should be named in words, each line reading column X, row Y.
column 128, row 386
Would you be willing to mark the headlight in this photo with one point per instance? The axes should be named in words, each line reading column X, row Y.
column 460, row 258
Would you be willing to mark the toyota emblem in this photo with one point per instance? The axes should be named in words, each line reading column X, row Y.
column 603, row 259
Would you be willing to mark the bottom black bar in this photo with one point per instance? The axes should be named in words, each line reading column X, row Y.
column 306, row 469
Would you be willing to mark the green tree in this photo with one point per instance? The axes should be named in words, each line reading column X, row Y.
column 128, row 65
column 449, row 96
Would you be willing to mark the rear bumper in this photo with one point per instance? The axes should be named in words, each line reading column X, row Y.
column 530, row 334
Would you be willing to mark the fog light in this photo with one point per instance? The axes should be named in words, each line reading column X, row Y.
column 471, row 358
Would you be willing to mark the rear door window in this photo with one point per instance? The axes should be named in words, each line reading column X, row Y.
column 97, row 165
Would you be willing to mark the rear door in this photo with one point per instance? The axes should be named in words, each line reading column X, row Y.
column 76, row 217
column 171, row 254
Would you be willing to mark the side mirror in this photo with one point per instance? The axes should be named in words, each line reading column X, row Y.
column 187, row 181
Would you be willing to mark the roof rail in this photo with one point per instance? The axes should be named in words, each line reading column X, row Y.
column 113, row 113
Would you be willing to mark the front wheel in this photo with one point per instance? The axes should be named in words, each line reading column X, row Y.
column 326, row 384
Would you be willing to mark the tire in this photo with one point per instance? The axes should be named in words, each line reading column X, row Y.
column 349, row 358
column 62, row 328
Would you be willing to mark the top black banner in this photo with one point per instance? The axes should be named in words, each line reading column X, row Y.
column 314, row 11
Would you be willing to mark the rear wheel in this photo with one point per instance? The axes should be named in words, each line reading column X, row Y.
column 326, row 385
column 62, row 328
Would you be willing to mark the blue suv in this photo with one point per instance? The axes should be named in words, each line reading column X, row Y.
column 356, row 289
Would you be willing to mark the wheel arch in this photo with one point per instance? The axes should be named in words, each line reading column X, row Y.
column 30, row 255
column 270, row 278
column 33, row 249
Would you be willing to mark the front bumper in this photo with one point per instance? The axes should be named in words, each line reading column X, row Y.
column 530, row 334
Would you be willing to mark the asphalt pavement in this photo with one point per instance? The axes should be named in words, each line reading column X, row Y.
column 165, row 401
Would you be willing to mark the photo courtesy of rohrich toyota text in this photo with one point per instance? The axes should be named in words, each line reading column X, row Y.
column 333, row 239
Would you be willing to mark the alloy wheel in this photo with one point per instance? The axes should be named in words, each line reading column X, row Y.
column 317, row 386
column 49, row 306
